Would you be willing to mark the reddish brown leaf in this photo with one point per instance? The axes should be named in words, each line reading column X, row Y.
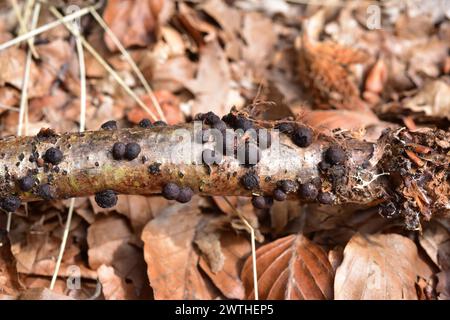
column 133, row 22
column 382, row 266
column 290, row 268
column 170, row 255
column 235, row 249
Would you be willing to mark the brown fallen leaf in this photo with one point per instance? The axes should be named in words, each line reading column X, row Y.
column 113, row 286
column 435, row 240
column 9, row 284
column 290, row 268
column 171, row 258
column 235, row 248
column 133, row 22
column 433, row 99
column 443, row 286
column 169, row 103
column 112, row 243
column 42, row 294
column 380, row 267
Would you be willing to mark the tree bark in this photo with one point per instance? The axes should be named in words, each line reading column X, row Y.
column 408, row 170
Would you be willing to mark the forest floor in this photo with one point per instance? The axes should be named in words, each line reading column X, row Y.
column 357, row 66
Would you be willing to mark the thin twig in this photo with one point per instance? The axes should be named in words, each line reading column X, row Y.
column 82, row 67
column 43, row 28
column 105, row 65
column 23, row 24
column 252, row 240
column 131, row 62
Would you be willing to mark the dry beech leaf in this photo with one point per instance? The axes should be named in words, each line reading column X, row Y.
column 133, row 22
column 113, row 286
column 322, row 70
column 290, row 268
column 9, row 284
column 443, row 286
column 235, row 249
column 212, row 83
column 379, row 267
column 435, row 240
column 433, row 99
column 112, row 243
column 42, row 294
column 171, row 258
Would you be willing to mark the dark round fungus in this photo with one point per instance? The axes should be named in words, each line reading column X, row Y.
column 160, row 123
column 335, row 155
column 211, row 118
column 302, row 136
column 243, row 123
column 26, row 183
column 132, row 150
column 264, row 139
column 53, row 155
column 154, row 168
column 171, row 191
column 250, row 181
column 248, row 154
column 45, row 192
column 388, row 210
column 185, row 195
column 279, row 195
column 261, row 202
column 325, row 198
column 109, row 125
column 106, row 199
column 10, row 203
column 285, row 127
column 118, row 151
column 308, row 191
column 287, row 186
column 145, row 123
column 220, row 125
column 199, row 117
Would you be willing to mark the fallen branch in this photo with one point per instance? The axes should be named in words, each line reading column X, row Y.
column 406, row 171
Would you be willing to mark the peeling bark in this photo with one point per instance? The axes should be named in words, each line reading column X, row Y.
column 408, row 171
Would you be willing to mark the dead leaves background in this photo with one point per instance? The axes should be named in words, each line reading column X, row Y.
column 318, row 64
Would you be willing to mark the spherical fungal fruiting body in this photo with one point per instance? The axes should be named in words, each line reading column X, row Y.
column 185, row 195
column 250, row 181
column 335, row 155
column 53, row 156
column 171, row 191
column 261, row 202
column 279, row 195
column 145, row 123
column 118, row 151
column 308, row 191
column 109, row 125
column 45, row 192
column 10, row 203
column 26, row 183
column 325, row 198
column 132, row 150
column 106, row 199
column 302, row 136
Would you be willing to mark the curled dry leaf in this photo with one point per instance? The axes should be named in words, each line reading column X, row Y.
column 443, row 286
column 290, row 268
column 235, row 249
column 113, row 286
column 9, row 284
column 171, row 258
column 133, row 22
column 382, row 266
column 433, row 100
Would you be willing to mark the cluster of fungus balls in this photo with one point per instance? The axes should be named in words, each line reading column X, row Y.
column 300, row 135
